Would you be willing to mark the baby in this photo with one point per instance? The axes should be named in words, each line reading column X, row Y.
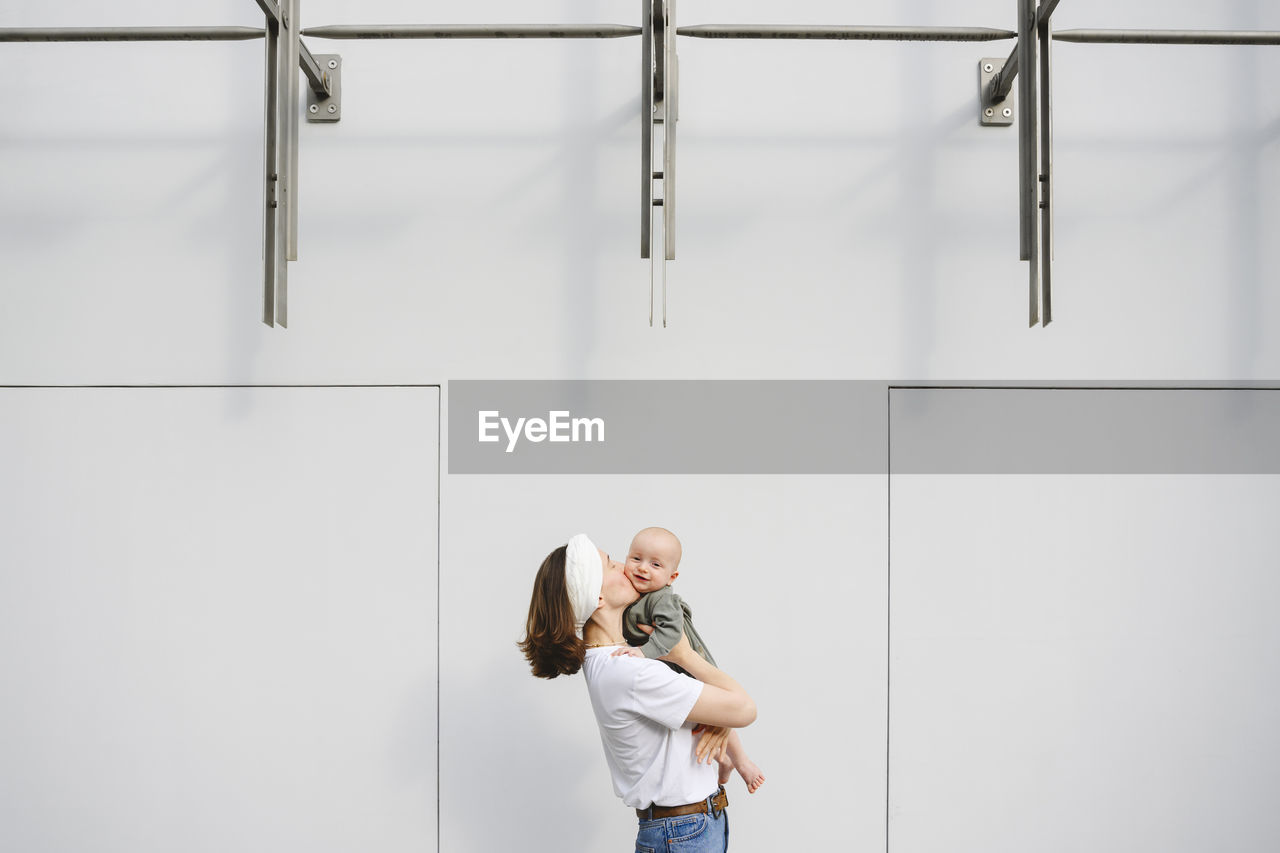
column 653, row 563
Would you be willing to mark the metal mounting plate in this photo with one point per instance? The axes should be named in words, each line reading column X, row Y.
column 327, row 108
column 1000, row 113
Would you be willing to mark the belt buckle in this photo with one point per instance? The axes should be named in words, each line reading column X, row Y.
column 713, row 806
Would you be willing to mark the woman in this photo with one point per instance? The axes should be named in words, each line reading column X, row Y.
column 645, row 711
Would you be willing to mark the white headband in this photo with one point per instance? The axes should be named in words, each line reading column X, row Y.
column 583, row 575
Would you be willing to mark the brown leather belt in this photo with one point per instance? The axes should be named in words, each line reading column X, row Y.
column 714, row 804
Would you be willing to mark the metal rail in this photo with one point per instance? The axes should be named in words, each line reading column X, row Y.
column 48, row 34
column 713, row 31
column 1232, row 37
column 706, row 31
column 314, row 74
column 1004, row 82
column 475, row 31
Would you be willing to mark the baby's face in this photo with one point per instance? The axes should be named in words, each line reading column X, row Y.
column 652, row 560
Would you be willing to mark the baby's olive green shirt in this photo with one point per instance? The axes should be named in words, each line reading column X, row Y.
column 669, row 615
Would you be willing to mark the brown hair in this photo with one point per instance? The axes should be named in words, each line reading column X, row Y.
column 551, row 645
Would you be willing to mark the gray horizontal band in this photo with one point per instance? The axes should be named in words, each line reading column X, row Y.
column 1085, row 431
column 858, row 427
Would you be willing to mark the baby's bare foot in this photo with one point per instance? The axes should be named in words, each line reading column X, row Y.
column 726, row 770
column 750, row 774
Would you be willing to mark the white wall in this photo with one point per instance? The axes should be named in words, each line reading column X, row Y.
column 1084, row 663
column 215, row 618
column 841, row 215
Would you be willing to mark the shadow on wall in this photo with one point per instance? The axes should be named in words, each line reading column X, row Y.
column 578, row 163
column 920, row 216
column 1244, row 210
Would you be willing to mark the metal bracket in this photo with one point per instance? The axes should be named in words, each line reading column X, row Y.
column 321, row 106
column 992, row 112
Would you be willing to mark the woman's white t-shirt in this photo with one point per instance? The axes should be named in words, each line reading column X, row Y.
column 641, row 706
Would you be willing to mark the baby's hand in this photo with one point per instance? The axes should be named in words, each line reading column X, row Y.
column 629, row 651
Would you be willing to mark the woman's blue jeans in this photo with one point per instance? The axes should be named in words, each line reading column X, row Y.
column 693, row 833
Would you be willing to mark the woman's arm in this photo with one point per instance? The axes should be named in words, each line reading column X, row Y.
column 723, row 701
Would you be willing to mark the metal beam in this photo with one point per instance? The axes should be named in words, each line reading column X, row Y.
column 1044, row 34
column 55, row 34
column 279, row 156
column 668, row 115
column 275, row 269
column 659, row 111
column 1035, row 153
column 1232, row 37
column 314, row 73
column 317, row 77
column 646, row 139
column 709, row 31
column 716, row 31
column 1028, row 149
column 475, row 31
column 285, row 56
column 1002, row 84
column 289, row 65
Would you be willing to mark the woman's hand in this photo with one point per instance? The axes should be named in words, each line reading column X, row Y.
column 713, row 743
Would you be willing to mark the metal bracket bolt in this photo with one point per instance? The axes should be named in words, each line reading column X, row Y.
column 994, row 113
column 327, row 108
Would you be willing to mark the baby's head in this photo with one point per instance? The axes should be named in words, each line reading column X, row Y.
column 653, row 559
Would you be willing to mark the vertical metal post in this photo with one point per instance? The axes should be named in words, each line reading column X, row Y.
column 274, row 271
column 286, row 144
column 1029, row 149
column 646, row 131
column 280, row 155
column 1045, row 34
column 291, row 67
column 670, row 115
column 658, row 110
column 648, row 104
